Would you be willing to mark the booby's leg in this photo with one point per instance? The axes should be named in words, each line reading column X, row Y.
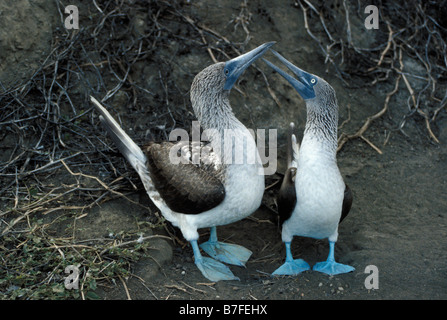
column 211, row 269
column 330, row 266
column 225, row 252
column 291, row 267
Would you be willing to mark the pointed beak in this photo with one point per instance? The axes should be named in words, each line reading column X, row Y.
column 304, row 82
column 235, row 67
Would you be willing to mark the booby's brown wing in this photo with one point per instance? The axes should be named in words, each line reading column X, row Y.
column 347, row 203
column 287, row 195
column 286, row 199
column 185, row 187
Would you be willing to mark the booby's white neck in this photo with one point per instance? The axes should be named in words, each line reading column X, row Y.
column 215, row 112
column 320, row 134
column 224, row 131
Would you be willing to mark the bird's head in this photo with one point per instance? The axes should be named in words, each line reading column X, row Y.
column 235, row 67
column 222, row 76
column 315, row 91
column 215, row 82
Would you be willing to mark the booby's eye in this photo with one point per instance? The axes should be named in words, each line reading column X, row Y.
column 227, row 72
column 313, row 81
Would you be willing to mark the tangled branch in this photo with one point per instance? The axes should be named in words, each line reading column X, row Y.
column 415, row 31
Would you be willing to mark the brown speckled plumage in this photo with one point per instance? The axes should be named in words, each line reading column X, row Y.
column 201, row 191
column 286, row 198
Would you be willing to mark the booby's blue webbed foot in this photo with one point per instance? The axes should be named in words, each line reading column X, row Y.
column 225, row 252
column 292, row 266
column 211, row 269
column 214, row 270
column 331, row 267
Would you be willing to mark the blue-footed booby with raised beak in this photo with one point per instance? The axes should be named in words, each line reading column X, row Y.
column 215, row 191
column 313, row 198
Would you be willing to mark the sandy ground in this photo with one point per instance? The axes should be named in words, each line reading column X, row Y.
column 398, row 220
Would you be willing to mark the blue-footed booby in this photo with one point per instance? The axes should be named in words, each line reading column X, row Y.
column 214, row 191
column 313, row 198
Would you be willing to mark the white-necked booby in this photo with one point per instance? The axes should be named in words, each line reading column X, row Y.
column 313, row 198
column 214, row 192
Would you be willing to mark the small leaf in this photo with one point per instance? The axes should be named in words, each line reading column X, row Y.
column 91, row 295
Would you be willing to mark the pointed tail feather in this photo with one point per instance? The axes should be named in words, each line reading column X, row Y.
column 124, row 143
column 134, row 155
column 292, row 148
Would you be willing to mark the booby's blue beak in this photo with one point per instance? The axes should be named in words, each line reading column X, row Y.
column 305, row 81
column 235, row 67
